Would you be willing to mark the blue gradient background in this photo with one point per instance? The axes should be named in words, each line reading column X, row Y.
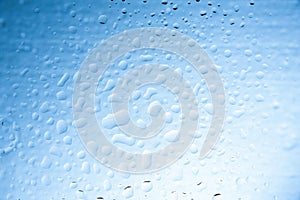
column 256, row 47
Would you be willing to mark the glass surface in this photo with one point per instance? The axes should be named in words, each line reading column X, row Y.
column 254, row 47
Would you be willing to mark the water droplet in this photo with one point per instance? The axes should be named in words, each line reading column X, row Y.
column 259, row 98
column 128, row 192
column 236, row 8
column 108, row 122
column 208, row 108
column 67, row 167
column 175, row 108
column 67, row 140
column 81, row 155
column 72, row 13
column 123, row 64
column 259, row 75
column 238, row 113
column 47, row 135
column 146, row 57
column 122, row 117
column 72, row 29
column 46, row 180
column 203, row 12
column 61, row 95
column 122, row 139
column 258, row 58
column 136, row 95
column 227, row 53
column 276, row 105
column 102, row 19
column 44, row 107
column 46, row 162
column 248, row 52
column 106, row 185
column 164, row 2
column 73, row 185
column 147, row 186
column 171, row 136
column 150, row 92
column 176, row 25
column 124, row 10
column 56, row 151
column 213, row 48
column 110, row 84
column 85, row 168
column 61, row 126
column 50, row 121
column 62, row 81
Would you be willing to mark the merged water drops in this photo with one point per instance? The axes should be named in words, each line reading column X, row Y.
column 10, row 135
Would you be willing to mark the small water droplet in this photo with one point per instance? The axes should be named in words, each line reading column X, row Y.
column 147, row 186
column 67, row 140
column 46, row 162
column 46, row 180
column 56, row 151
column 171, row 136
column 85, row 168
column 128, row 192
column 102, row 19
column 259, row 98
column 61, row 126
column 107, row 185
column 259, row 75
column 227, row 53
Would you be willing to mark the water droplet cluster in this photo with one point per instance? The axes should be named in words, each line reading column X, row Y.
column 255, row 45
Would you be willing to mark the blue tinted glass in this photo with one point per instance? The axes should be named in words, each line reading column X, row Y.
column 144, row 99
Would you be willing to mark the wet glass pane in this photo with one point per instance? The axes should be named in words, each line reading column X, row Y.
column 146, row 99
